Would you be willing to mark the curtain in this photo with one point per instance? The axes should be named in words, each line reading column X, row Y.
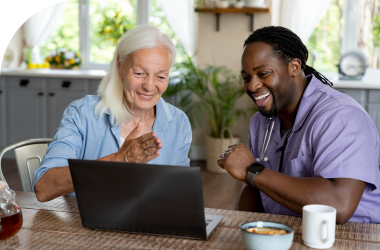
column 300, row 16
column 38, row 28
column 183, row 21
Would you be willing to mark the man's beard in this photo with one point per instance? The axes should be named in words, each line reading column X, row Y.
column 272, row 112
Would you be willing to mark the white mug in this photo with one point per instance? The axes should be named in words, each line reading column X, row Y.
column 318, row 226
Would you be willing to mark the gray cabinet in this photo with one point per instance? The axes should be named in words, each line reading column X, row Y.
column 25, row 113
column 2, row 120
column 61, row 92
column 32, row 107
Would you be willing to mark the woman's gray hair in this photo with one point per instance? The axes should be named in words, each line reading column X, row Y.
column 111, row 87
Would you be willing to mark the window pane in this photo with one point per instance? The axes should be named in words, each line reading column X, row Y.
column 66, row 35
column 158, row 18
column 109, row 20
column 369, row 31
column 325, row 42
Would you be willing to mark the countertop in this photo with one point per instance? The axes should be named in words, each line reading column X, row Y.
column 371, row 79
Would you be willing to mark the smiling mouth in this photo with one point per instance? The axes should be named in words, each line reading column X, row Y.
column 145, row 96
column 261, row 97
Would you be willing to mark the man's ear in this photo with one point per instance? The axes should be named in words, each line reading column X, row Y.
column 295, row 67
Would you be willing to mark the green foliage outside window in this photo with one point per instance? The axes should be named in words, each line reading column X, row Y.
column 376, row 30
column 326, row 39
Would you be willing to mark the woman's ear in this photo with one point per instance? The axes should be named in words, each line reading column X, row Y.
column 119, row 69
column 295, row 67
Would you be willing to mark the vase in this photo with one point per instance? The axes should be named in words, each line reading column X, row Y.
column 214, row 148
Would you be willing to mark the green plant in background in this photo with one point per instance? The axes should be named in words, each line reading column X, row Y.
column 114, row 25
column 212, row 92
column 376, row 30
column 65, row 59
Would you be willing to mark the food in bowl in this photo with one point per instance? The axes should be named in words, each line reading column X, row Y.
column 266, row 230
column 259, row 241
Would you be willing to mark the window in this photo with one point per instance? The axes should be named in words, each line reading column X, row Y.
column 330, row 36
column 94, row 27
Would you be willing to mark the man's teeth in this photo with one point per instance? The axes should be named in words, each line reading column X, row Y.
column 261, row 97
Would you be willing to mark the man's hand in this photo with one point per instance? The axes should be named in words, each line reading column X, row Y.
column 236, row 159
column 141, row 149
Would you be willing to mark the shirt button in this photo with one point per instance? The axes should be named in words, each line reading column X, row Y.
column 279, row 153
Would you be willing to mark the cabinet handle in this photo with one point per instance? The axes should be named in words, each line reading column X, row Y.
column 1, row 91
column 24, row 82
column 40, row 93
column 51, row 94
column 66, row 84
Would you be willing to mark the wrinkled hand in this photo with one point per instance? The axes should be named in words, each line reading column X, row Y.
column 141, row 149
column 236, row 159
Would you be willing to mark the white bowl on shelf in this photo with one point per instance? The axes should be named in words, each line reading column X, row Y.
column 238, row 5
column 256, row 3
column 221, row 4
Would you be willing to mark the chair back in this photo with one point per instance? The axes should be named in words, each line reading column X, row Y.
column 29, row 155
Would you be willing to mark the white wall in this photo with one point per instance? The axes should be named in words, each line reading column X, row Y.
column 16, row 45
column 223, row 48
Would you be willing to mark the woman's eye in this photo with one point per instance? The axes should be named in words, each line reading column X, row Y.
column 139, row 74
column 161, row 77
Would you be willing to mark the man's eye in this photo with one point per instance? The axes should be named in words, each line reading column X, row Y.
column 262, row 74
column 246, row 79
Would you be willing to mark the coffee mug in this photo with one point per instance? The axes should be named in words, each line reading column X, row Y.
column 318, row 226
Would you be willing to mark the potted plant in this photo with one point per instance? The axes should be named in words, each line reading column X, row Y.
column 210, row 93
column 376, row 36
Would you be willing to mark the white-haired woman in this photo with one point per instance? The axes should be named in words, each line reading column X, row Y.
column 127, row 121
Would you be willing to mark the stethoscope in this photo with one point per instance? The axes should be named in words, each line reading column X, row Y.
column 262, row 158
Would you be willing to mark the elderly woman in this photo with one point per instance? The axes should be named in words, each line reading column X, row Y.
column 127, row 121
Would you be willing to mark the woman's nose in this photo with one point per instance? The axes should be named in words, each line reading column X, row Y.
column 149, row 83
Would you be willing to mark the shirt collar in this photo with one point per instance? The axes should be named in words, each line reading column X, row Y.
column 309, row 97
column 163, row 115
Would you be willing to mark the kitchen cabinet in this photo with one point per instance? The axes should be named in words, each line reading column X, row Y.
column 32, row 107
column 25, row 118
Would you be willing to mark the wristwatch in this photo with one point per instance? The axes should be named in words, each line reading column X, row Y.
column 253, row 170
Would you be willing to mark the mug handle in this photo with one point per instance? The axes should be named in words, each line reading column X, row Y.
column 327, row 231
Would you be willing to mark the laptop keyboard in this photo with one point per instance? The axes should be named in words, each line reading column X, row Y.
column 208, row 222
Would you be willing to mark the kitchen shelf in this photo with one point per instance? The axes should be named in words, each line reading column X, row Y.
column 247, row 11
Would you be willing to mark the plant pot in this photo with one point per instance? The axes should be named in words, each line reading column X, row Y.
column 214, row 148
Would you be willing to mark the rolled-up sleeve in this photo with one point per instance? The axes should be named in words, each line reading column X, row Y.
column 67, row 143
column 183, row 155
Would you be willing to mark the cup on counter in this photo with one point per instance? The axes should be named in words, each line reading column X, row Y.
column 318, row 226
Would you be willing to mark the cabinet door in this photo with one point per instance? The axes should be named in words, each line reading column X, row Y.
column 374, row 113
column 25, row 118
column 2, row 105
column 61, row 92
column 94, row 86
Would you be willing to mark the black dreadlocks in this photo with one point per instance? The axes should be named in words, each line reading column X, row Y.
column 286, row 45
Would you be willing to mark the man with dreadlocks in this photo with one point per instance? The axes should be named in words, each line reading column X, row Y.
column 309, row 144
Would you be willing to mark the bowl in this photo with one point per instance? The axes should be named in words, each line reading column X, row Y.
column 255, row 3
column 221, row 4
column 255, row 241
column 238, row 5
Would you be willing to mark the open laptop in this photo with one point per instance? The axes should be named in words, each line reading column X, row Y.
column 142, row 198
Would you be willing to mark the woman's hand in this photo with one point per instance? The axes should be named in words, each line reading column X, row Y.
column 141, row 149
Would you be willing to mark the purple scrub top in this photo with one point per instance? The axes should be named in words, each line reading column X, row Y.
column 333, row 137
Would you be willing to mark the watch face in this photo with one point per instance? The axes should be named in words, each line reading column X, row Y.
column 352, row 65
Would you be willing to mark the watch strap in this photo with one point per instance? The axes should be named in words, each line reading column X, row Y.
column 253, row 170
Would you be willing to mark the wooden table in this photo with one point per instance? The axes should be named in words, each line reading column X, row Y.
column 57, row 225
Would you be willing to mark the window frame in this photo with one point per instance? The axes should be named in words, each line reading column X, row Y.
column 84, row 31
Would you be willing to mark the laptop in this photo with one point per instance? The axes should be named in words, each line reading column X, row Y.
column 142, row 198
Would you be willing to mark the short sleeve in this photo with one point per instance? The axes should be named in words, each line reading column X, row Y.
column 183, row 154
column 67, row 143
column 346, row 145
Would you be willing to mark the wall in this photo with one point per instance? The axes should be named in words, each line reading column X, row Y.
column 223, row 48
column 16, row 45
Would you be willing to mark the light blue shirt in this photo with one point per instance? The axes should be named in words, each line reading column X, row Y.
column 84, row 135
